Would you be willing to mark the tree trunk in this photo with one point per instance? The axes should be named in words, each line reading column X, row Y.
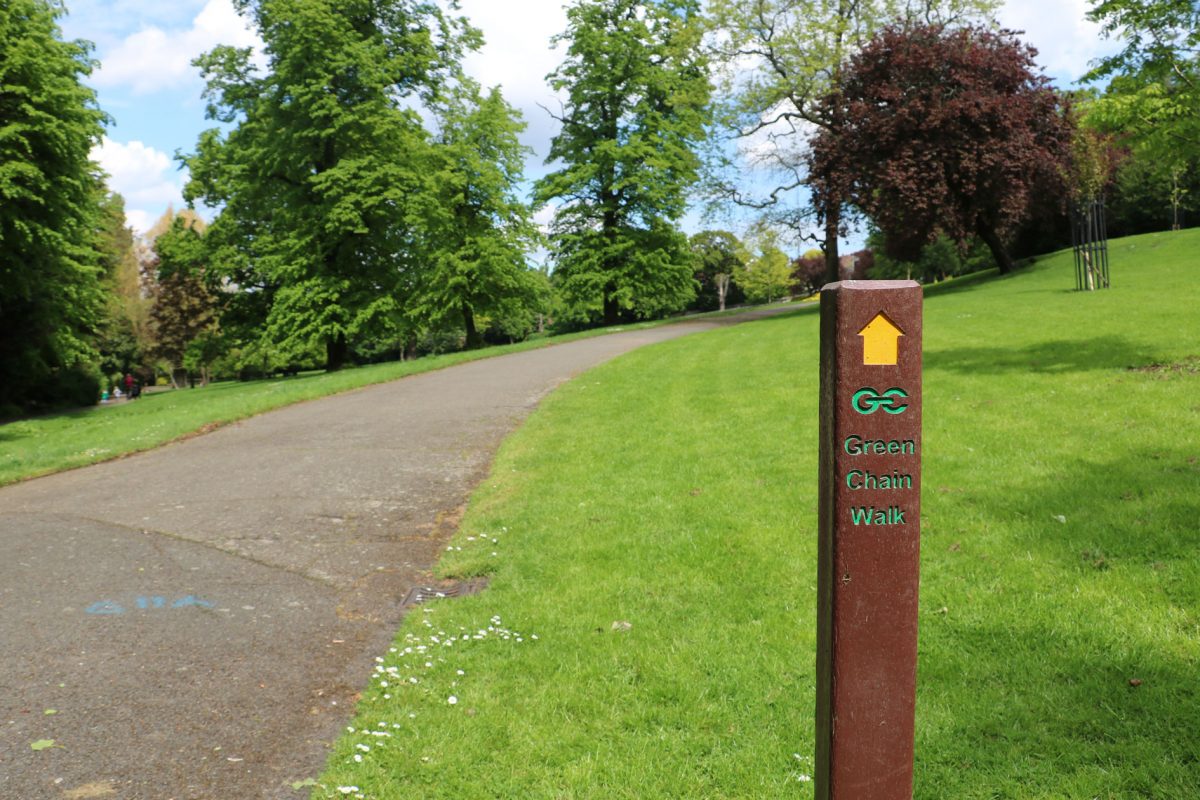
column 335, row 352
column 474, row 340
column 722, row 281
column 833, row 267
column 989, row 236
column 612, row 311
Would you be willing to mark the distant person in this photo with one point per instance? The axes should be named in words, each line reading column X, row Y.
column 136, row 391
column 129, row 383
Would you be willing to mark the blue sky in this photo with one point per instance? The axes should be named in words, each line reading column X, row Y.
column 147, row 85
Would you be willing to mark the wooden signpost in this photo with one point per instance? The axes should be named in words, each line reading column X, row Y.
column 870, row 492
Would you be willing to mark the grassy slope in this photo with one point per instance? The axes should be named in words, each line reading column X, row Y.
column 674, row 489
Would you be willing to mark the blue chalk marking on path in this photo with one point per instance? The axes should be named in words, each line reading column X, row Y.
column 148, row 603
column 105, row 607
column 191, row 600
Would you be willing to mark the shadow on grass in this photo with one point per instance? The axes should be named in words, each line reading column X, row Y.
column 1141, row 510
column 12, row 431
column 1074, row 696
column 1029, row 709
column 962, row 283
column 1055, row 356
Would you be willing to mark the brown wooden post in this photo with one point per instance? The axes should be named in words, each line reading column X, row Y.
column 870, row 519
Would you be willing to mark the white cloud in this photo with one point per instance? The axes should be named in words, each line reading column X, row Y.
column 106, row 22
column 1065, row 40
column 153, row 59
column 145, row 177
column 543, row 216
column 517, row 56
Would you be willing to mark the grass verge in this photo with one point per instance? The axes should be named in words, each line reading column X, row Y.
column 650, row 537
column 55, row 442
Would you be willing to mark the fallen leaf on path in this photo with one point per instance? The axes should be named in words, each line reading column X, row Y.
column 88, row 791
column 42, row 744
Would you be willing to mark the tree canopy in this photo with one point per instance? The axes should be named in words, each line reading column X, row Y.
column 767, row 274
column 51, row 276
column 478, row 231
column 183, row 307
column 1154, row 91
column 1151, row 103
column 316, row 178
column 718, row 258
column 778, row 59
column 637, row 97
column 941, row 130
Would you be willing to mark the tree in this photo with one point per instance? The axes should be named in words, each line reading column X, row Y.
column 183, row 307
column 940, row 259
column 1148, row 194
column 767, row 275
column 794, row 52
column 479, row 231
column 637, row 97
column 125, row 337
column 942, row 130
column 1154, row 82
column 319, row 174
column 52, row 297
column 1151, row 102
column 808, row 272
column 717, row 257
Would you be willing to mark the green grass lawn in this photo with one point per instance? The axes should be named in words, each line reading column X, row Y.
column 650, row 536
column 54, row 442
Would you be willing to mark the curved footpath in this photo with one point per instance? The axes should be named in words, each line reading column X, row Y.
column 195, row 621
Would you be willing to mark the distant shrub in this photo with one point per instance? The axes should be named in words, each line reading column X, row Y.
column 70, row 387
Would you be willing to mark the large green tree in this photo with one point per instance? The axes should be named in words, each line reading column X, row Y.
column 183, row 307
column 717, row 258
column 1154, row 81
column 1150, row 194
column 767, row 275
column 1151, row 102
column 52, row 295
column 777, row 59
column 478, row 231
column 125, row 339
column 637, row 92
column 317, row 175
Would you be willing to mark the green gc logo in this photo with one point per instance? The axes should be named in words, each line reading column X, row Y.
column 868, row 401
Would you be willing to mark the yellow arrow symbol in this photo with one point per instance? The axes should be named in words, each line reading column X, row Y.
column 881, row 340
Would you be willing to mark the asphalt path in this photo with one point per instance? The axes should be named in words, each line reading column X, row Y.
column 194, row 622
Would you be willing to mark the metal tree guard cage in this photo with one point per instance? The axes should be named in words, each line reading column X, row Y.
column 1089, row 239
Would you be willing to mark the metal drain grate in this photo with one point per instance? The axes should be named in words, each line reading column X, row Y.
column 420, row 594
